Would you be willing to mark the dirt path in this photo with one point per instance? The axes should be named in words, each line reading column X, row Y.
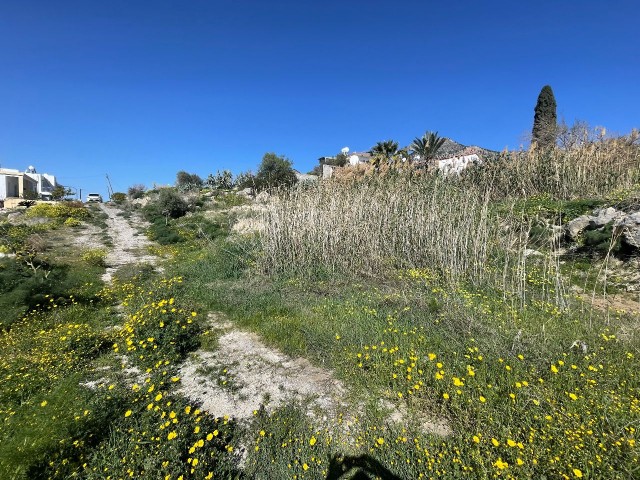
column 244, row 375
column 128, row 245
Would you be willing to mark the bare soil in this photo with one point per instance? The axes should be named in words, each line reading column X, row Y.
column 244, row 375
column 128, row 245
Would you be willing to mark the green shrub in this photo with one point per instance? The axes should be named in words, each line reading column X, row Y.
column 118, row 197
column 95, row 256
column 275, row 171
column 164, row 234
column 58, row 210
column 602, row 240
column 169, row 204
column 136, row 191
column 72, row 222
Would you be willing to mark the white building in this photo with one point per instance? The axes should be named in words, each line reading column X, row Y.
column 14, row 183
column 46, row 182
column 457, row 164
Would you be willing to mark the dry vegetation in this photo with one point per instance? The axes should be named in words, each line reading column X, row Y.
column 417, row 293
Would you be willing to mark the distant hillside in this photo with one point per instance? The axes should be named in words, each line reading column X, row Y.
column 451, row 148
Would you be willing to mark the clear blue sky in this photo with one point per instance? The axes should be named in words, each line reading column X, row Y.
column 142, row 89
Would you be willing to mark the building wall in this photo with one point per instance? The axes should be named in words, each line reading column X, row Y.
column 3, row 187
column 45, row 182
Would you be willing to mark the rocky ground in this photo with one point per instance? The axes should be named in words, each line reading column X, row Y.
column 243, row 374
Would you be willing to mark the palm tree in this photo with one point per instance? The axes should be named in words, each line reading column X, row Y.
column 384, row 152
column 427, row 147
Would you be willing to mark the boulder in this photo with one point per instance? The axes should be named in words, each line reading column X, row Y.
column 263, row 197
column 625, row 224
column 576, row 226
column 630, row 228
column 245, row 192
column 599, row 219
column 605, row 215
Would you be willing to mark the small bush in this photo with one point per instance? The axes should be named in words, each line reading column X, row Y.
column 164, row 234
column 136, row 191
column 72, row 222
column 95, row 257
column 169, row 204
column 602, row 240
column 188, row 181
column 118, row 197
column 275, row 171
column 58, row 210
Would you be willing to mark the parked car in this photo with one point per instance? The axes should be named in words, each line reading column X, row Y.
column 94, row 197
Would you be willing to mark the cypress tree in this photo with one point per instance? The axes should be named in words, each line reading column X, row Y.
column 545, row 119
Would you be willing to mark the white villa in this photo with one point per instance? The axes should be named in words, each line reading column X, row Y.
column 455, row 165
column 14, row 183
column 46, row 182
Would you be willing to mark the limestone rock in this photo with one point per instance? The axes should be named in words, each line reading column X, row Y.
column 245, row 192
column 263, row 197
column 630, row 227
column 599, row 219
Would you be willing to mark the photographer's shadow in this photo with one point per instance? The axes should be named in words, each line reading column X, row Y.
column 362, row 467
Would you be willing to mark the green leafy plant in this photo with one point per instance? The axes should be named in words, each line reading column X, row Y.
column 275, row 171
column 118, row 197
column 95, row 256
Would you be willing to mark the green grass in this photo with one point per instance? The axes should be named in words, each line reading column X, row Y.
column 502, row 365
column 517, row 370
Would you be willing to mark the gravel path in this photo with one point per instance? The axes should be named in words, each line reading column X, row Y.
column 244, row 375
column 128, row 245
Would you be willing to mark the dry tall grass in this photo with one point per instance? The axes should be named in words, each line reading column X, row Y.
column 370, row 226
column 592, row 169
column 373, row 224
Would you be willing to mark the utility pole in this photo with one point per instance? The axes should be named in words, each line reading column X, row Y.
column 80, row 196
column 110, row 188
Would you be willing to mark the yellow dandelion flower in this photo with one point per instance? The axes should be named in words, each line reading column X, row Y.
column 128, row 413
column 44, row 403
column 500, row 465
column 171, row 435
column 305, row 467
column 482, row 399
column 312, row 441
column 380, row 441
column 495, row 442
column 577, row 472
